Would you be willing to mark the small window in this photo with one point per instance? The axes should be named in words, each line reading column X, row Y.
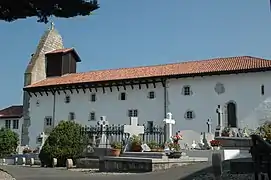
column 133, row 113
column 262, row 90
column 15, row 124
column 151, row 95
column 150, row 126
column 92, row 116
column 48, row 121
column 122, row 96
column 38, row 103
column 67, row 99
column 71, row 116
column 93, row 97
column 7, row 124
column 186, row 91
column 189, row 115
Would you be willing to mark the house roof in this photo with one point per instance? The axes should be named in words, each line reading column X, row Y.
column 12, row 112
column 65, row 50
column 190, row 68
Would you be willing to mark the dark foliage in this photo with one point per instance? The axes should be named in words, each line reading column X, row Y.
column 8, row 142
column 11, row 10
column 65, row 142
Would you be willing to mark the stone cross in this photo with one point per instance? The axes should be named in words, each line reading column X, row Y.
column 133, row 128
column 209, row 126
column 41, row 140
column 169, row 121
column 103, row 123
column 220, row 119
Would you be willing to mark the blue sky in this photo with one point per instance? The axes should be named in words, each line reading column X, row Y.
column 126, row 33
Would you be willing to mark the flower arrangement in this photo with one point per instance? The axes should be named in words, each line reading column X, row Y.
column 174, row 147
column 27, row 150
column 215, row 143
column 226, row 132
column 176, row 138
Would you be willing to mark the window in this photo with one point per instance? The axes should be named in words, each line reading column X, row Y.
column 38, row 103
column 133, row 113
column 186, row 91
column 189, row 115
column 7, row 124
column 151, row 95
column 71, row 116
column 92, row 116
column 150, row 126
column 93, row 97
column 48, row 121
column 15, row 124
column 122, row 96
column 67, row 99
column 262, row 90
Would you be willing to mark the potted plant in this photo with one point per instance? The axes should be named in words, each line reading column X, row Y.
column 154, row 146
column 116, row 148
column 226, row 132
column 27, row 151
column 174, row 146
column 216, row 144
column 136, row 143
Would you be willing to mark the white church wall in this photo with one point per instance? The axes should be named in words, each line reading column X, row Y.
column 107, row 104
column 243, row 89
column 17, row 128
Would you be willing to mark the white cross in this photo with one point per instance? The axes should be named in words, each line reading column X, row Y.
column 169, row 122
column 133, row 128
column 103, row 122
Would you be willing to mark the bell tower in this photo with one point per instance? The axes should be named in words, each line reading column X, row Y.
column 36, row 71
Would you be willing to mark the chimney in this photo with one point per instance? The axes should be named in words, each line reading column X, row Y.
column 61, row 61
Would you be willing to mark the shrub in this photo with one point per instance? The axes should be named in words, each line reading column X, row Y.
column 66, row 141
column 9, row 141
column 116, row 145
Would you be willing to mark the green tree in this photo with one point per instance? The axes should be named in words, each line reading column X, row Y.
column 66, row 141
column 11, row 10
column 9, row 141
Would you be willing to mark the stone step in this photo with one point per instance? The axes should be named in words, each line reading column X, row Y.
column 152, row 155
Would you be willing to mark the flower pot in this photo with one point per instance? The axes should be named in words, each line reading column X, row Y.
column 136, row 148
column 115, row 152
column 175, row 155
column 216, row 147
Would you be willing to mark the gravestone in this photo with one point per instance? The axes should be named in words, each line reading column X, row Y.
column 103, row 123
column 132, row 129
column 188, row 137
column 169, row 121
column 209, row 126
column 145, row 148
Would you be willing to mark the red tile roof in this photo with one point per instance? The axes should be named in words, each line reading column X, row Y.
column 217, row 65
column 12, row 112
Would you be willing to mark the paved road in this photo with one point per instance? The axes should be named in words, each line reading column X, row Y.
column 31, row 173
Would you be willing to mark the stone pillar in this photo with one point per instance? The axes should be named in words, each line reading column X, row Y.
column 69, row 163
column 217, row 166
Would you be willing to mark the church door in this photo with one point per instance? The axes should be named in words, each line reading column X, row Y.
column 231, row 114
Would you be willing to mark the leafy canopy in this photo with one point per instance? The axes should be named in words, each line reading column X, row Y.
column 9, row 141
column 66, row 141
column 11, row 10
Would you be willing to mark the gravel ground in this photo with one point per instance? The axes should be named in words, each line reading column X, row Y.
column 5, row 176
column 225, row 176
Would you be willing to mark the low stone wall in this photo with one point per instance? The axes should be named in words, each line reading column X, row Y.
column 158, row 155
column 137, row 165
column 87, row 163
column 235, row 142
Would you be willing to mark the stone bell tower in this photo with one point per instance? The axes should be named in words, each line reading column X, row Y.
column 36, row 71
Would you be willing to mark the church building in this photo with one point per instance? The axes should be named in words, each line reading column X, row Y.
column 191, row 91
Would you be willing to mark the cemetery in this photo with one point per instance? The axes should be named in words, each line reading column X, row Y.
column 135, row 148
